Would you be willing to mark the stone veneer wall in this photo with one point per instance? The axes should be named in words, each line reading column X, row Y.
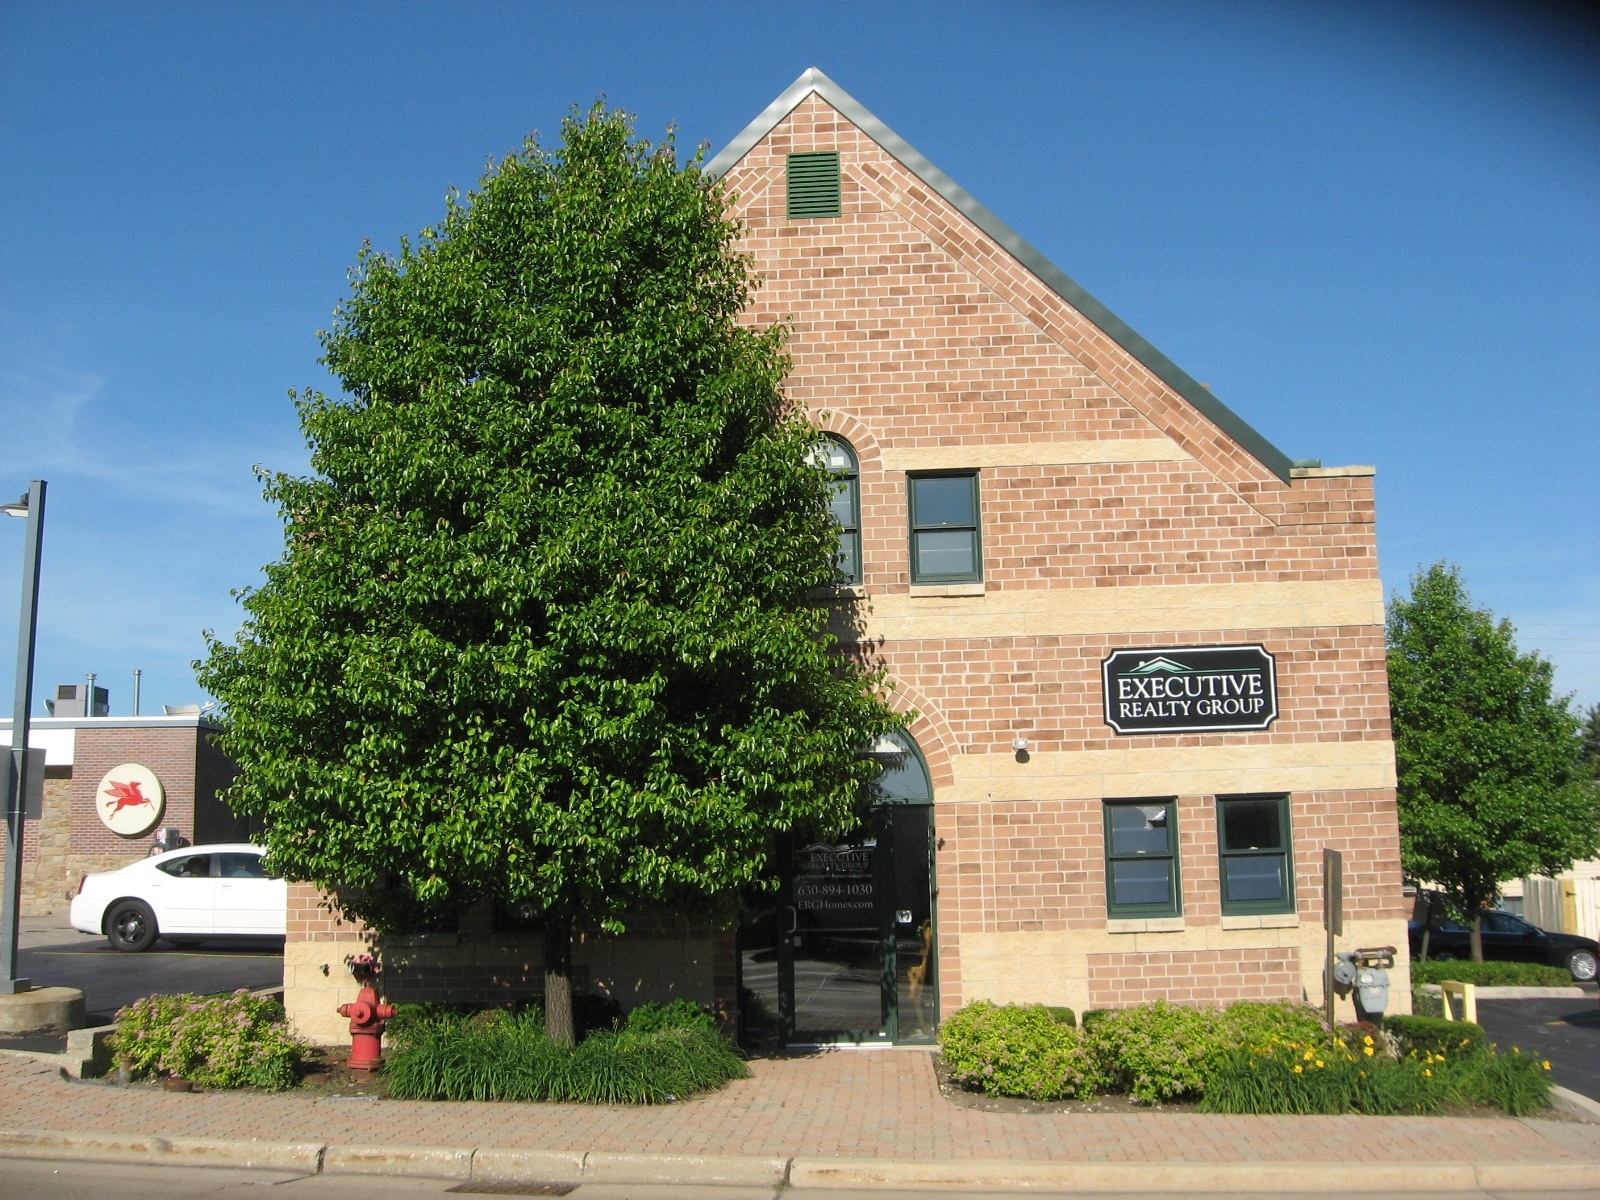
column 657, row 959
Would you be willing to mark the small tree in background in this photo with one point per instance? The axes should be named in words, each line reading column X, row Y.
column 1490, row 782
column 1590, row 754
column 541, row 631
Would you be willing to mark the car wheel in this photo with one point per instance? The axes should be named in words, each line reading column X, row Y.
column 1444, row 956
column 131, row 926
column 1582, row 965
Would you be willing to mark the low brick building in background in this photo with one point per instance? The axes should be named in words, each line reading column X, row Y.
column 1145, row 651
column 69, row 839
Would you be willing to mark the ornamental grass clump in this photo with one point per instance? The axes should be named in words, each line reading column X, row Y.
column 1355, row 1075
column 226, row 1041
column 664, row 1052
column 1018, row 1050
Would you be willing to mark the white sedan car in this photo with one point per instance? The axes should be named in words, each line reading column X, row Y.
column 185, row 896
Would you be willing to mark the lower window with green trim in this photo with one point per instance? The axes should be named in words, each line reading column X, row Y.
column 1257, row 865
column 1142, row 858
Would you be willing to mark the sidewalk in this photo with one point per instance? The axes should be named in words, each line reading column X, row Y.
column 878, row 1108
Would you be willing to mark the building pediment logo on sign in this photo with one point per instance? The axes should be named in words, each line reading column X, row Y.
column 130, row 800
column 1185, row 689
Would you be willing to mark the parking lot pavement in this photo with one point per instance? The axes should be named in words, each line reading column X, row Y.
column 1567, row 1032
column 53, row 954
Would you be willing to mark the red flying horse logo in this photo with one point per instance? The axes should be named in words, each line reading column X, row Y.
column 124, row 795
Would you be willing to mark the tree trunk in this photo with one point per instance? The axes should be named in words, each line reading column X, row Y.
column 1427, row 924
column 1477, row 935
column 558, row 1024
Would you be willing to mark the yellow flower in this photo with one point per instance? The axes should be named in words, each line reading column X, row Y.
column 1427, row 1072
column 1310, row 1054
column 1367, row 1039
column 1545, row 1064
column 1369, row 1049
column 1320, row 1063
column 1298, row 1069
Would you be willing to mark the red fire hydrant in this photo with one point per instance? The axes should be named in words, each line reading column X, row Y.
column 368, row 1016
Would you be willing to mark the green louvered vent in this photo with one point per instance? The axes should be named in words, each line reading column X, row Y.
column 814, row 184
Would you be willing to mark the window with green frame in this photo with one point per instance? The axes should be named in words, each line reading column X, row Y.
column 946, row 542
column 1142, row 858
column 839, row 460
column 1257, row 866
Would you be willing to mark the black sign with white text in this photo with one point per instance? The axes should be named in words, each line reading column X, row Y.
column 1185, row 689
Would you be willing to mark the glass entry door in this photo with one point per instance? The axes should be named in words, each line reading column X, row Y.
column 836, row 942
column 848, row 952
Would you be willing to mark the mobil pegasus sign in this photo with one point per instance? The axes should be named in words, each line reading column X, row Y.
column 1184, row 689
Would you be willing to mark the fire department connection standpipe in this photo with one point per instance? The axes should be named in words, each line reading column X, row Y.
column 368, row 1016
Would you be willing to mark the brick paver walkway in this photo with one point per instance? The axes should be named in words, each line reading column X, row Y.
column 856, row 1104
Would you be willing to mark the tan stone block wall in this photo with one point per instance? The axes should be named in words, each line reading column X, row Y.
column 658, row 959
column 1198, row 964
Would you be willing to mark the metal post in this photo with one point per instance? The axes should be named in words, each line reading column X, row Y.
column 88, row 705
column 11, row 900
column 136, row 674
column 1332, row 918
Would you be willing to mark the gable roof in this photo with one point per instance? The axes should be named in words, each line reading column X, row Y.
column 1174, row 376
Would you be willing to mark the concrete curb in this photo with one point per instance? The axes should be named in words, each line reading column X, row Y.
column 1520, row 993
column 1575, row 1103
column 423, row 1162
column 302, row 1157
column 821, row 1174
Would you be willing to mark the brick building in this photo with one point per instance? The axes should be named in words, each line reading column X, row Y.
column 69, row 839
column 1144, row 649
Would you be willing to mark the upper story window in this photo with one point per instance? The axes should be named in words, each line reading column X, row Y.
column 840, row 461
column 814, row 189
column 945, row 543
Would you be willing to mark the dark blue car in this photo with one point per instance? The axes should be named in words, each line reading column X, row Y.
column 1509, row 938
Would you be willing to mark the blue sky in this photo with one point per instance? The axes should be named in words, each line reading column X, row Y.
column 1373, row 229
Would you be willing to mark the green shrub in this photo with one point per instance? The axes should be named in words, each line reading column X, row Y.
column 678, row 1014
column 1154, row 1053
column 1064, row 1015
column 227, row 1041
column 1255, row 1022
column 1345, row 1076
column 1161, row 1051
column 1157, row 1051
column 1435, row 1035
column 1491, row 974
column 501, row 1055
column 1017, row 1050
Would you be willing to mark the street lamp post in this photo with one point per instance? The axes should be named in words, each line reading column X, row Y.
column 31, row 507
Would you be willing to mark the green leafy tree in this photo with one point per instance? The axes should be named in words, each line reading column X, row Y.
column 1590, row 754
column 541, row 630
column 1490, row 783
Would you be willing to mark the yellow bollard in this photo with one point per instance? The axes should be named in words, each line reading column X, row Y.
column 1469, row 1000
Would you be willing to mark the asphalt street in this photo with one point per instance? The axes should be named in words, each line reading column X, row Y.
column 53, row 954
column 1567, row 1032
column 71, row 1181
